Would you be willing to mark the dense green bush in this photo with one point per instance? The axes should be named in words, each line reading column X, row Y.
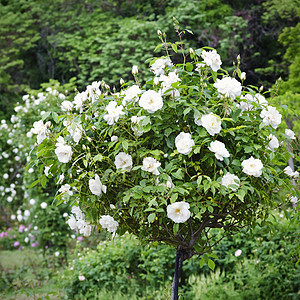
column 264, row 269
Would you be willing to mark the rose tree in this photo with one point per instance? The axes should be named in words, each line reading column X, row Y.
column 168, row 161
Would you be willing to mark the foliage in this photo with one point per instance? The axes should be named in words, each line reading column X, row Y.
column 192, row 176
column 20, row 202
column 266, row 257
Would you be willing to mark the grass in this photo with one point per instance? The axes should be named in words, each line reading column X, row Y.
column 23, row 275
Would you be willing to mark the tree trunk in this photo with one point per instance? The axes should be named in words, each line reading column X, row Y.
column 177, row 273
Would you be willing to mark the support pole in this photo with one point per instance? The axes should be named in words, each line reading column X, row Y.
column 177, row 271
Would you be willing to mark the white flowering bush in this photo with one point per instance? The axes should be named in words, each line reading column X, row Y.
column 24, row 203
column 188, row 151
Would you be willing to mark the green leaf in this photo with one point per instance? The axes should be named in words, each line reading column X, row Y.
column 175, row 228
column 189, row 67
column 43, row 180
column 55, row 117
column 125, row 145
column 211, row 264
column 151, row 217
column 34, row 183
column 174, row 47
column 174, row 198
column 46, row 115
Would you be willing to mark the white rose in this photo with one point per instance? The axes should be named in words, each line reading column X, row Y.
column 77, row 211
column 252, row 166
column 167, row 81
column 230, row 179
column 108, row 222
column 229, row 87
column 123, row 161
column 288, row 171
column 114, row 138
column 43, row 205
column 158, row 67
column 290, row 133
column 134, row 70
column 114, row 112
column 178, row 212
column 212, row 59
column 211, row 123
column 131, row 93
column 64, row 153
column 219, row 149
column 136, row 126
column 271, row 116
column 66, row 106
column 150, row 165
column 151, row 101
column 184, row 143
column 273, row 142
column 96, row 187
column 65, row 189
column 79, row 99
column 72, row 222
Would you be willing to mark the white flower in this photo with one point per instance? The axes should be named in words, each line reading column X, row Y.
column 84, row 228
column 79, row 99
column 60, row 179
column 5, row 176
column 114, row 112
column 43, row 205
column 96, row 187
column 294, row 199
column 212, row 59
column 131, row 93
column 60, row 142
column 229, row 87
column 167, row 82
column 66, row 106
column 32, row 201
column 158, row 67
column 56, row 253
column 211, row 123
column 151, row 101
column 75, row 133
column 134, row 70
column 230, row 179
column 150, row 165
column 108, row 222
column 64, row 153
column 288, row 171
column 243, row 75
column 273, row 142
column 47, row 169
column 219, row 149
column 65, row 189
column 41, row 130
column 290, row 133
column 179, row 212
column 81, row 277
column 260, row 99
column 271, row 116
column 252, row 166
column 20, row 218
column 184, row 143
column 238, row 252
column 123, row 161
column 26, row 213
column 197, row 119
column 136, row 126
column 93, row 90
column 72, row 222
column 77, row 211
column 114, row 138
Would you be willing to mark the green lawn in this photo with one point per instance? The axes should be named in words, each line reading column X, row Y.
column 25, row 276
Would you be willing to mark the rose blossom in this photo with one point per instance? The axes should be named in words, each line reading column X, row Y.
column 114, row 112
column 252, row 166
column 150, row 165
column 288, row 171
column 123, row 161
column 151, row 101
column 158, row 67
column 96, row 187
column 179, row 212
column 108, row 222
column 184, row 143
column 219, row 149
column 136, row 126
column 212, row 59
column 131, row 93
column 271, row 116
column 229, row 87
column 290, row 133
column 273, row 142
column 230, row 179
column 66, row 105
column 64, row 153
column 211, row 123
